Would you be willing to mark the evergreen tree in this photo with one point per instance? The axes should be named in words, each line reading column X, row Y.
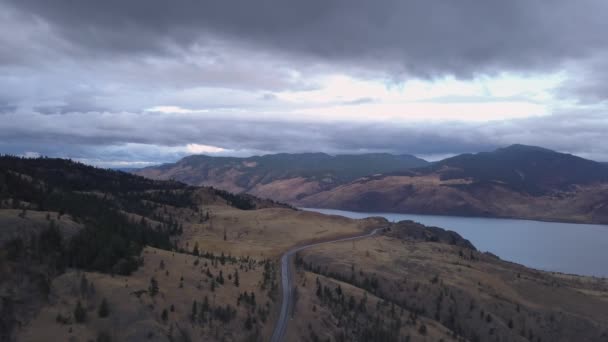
column 80, row 314
column 195, row 251
column 248, row 323
column 164, row 315
column 153, row 287
column 194, row 311
column 103, row 310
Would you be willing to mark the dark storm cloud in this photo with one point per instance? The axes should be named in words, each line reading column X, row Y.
column 419, row 37
column 591, row 84
column 78, row 78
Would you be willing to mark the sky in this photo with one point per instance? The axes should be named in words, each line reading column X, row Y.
column 141, row 82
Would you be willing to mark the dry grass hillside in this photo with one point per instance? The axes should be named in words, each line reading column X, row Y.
column 196, row 298
column 517, row 181
column 282, row 177
column 385, row 288
column 266, row 233
column 217, row 243
column 97, row 255
column 477, row 296
column 429, row 194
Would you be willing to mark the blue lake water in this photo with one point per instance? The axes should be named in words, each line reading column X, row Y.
column 551, row 246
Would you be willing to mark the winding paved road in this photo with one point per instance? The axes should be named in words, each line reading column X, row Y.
column 281, row 327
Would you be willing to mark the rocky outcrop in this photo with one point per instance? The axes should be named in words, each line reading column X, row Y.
column 410, row 230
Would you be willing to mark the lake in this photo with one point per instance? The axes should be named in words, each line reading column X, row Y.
column 551, row 246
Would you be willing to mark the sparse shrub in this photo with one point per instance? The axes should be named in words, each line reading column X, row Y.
column 103, row 337
column 84, row 285
column 61, row 319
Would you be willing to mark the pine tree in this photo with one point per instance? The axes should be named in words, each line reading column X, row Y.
column 236, row 278
column 80, row 314
column 195, row 251
column 248, row 323
column 153, row 287
column 164, row 315
column 103, row 310
column 194, row 311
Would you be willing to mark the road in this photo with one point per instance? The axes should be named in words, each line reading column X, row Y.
column 281, row 326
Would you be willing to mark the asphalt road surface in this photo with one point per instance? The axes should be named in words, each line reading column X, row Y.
column 281, row 327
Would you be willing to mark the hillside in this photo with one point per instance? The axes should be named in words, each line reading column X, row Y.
column 93, row 254
column 516, row 181
column 527, row 169
column 283, row 177
column 473, row 296
column 57, row 215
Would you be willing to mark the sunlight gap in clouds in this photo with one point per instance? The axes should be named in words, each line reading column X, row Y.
column 505, row 96
column 199, row 149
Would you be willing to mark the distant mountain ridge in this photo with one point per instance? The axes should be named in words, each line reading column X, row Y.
column 525, row 168
column 310, row 165
column 515, row 181
column 283, row 176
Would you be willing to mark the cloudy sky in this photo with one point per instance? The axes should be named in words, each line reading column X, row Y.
column 132, row 83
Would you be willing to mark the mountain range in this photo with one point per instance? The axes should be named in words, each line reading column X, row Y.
column 516, row 181
column 284, row 177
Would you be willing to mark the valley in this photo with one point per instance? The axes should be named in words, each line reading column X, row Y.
column 303, row 171
column 213, row 271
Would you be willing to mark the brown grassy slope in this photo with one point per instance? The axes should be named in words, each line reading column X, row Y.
column 267, row 232
column 257, row 235
column 430, row 195
column 23, row 284
column 477, row 296
column 315, row 318
column 284, row 190
column 136, row 315
column 23, row 224
column 516, row 181
column 283, row 177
